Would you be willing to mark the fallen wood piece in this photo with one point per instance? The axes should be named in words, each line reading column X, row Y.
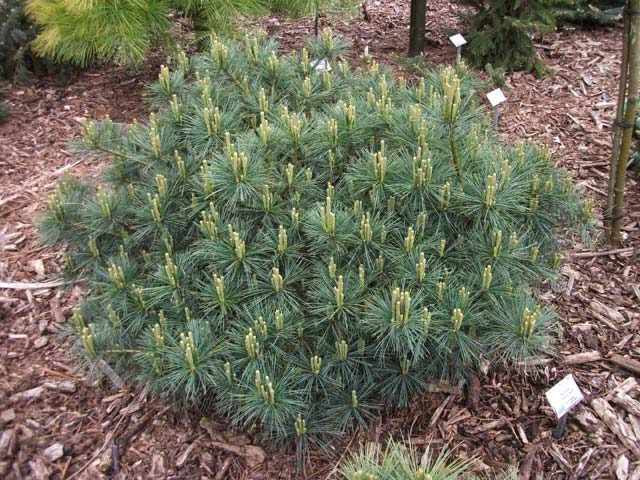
column 535, row 362
column 583, row 357
column 627, row 363
column 111, row 374
column 562, row 462
column 631, row 405
column 635, row 425
column 182, row 459
column 436, row 415
column 611, row 313
column 582, row 464
column 254, row 456
column 443, row 387
column 473, row 392
column 26, row 395
column 31, row 286
column 622, row 468
column 223, row 469
column 626, row 386
column 617, row 425
column 488, row 426
column 615, row 251
column 527, row 463
column 587, row 420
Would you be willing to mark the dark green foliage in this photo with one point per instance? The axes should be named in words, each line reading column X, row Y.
column 500, row 33
column 17, row 61
column 585, row 12
column 497, row 75
column 15, row 33
column 297, row 247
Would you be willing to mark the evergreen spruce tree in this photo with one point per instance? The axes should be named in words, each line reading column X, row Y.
column 585, row 12
column 500, row 33
column 17, row 61
column 295, row 243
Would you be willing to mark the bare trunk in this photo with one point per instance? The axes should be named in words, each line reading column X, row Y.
column 617, row 131
column 417, row 27
column 633, row 7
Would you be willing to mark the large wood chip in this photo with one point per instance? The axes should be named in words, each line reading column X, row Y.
column 611, row 313
column 622, row 468
column 628, row 363
column 628, row 385
column 587, row 420
column 631, row 405
column 582, row 357
column 616, row 424
column 253, row 455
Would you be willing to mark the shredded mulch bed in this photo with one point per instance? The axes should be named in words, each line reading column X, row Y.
column 57, row 421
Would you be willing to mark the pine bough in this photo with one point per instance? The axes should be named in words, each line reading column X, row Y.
column 297, row 246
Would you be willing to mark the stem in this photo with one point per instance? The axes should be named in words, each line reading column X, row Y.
column 617, row 131
column 123, row 351
column 238, row 83
column 454, row 151
column 115, row 153
column 629, row 117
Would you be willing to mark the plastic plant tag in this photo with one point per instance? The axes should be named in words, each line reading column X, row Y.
column 458, row 40
column 322, row 65
column 496, row 97
column 564, row 395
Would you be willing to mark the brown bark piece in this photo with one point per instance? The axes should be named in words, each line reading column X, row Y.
column 616, row 424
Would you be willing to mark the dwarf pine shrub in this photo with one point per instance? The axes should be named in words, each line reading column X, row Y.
column 298, row 245
column 397, row 461
column 400, row 461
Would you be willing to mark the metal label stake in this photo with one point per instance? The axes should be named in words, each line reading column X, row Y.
column 496, row 97
column 562, row 397
column 458, row 41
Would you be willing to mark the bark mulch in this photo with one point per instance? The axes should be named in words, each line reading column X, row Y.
column 57, row 421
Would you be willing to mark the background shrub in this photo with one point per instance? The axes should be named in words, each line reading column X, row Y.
column 500, row 33
column 585, row 12
column 17, row 61
column 82, row 31
column 296, row 246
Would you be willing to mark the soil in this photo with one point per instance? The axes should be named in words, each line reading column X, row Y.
column 58, row 421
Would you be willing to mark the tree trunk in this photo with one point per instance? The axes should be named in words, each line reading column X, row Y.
column 629, row 118
column 617, row 131
column 417, row 27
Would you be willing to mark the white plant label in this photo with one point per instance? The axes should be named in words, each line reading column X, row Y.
column 458, row 40
column 496, row 97
column 322, row 66
column 564, row 395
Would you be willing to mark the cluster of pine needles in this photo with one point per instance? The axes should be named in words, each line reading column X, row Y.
column 296, row 242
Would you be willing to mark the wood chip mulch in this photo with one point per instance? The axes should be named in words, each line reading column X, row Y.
column 60, row 422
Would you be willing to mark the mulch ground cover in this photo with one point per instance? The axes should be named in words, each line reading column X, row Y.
column 57, row 421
